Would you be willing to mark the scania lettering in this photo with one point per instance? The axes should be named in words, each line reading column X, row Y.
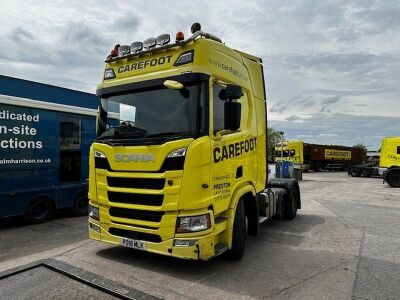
column 179, row 165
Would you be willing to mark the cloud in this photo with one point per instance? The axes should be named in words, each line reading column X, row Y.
column 330, row 100
column 341, row 129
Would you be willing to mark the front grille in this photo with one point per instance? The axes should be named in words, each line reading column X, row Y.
column 134, row 198
column 136, row 183
column 143, row 215
column 149, row 237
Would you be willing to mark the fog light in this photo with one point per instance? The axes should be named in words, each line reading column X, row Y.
column 94, row 212
column 94, row 227
column 184, row 243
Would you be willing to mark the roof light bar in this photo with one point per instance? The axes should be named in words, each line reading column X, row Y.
column 124, row 49
column 163, row 39
column 136, row 47
column 150, row 43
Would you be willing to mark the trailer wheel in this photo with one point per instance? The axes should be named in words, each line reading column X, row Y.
column 80, row 206
column 393, row 178
column 365, row 172
column 354, row 172
column 239, row 233
column 39, row 210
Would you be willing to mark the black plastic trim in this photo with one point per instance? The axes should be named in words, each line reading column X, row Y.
column 136, row 214
column 134, row 198
column 138, row 183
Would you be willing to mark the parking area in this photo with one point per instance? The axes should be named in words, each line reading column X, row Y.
column 344, row 243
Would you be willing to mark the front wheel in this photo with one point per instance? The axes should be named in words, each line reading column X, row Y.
column 239, row 233
column 393, row 178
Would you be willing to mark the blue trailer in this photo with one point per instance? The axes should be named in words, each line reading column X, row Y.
column 45, row 136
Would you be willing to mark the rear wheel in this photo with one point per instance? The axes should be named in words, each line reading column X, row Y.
column 365, row 173
column 39, row 210
column 354, row 172
column 239, row 233
column 393, row 178
column 80, row 206
column 291, row 204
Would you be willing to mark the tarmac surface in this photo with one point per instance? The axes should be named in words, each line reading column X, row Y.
column 343, row 244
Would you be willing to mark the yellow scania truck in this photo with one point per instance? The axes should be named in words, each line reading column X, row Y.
column 179, row 165
column 389, row 163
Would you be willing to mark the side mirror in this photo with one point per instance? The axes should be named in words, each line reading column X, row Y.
column 101, row 126
column 231, row 92
column 232, row 114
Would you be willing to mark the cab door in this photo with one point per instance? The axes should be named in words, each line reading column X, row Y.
column 233, row 155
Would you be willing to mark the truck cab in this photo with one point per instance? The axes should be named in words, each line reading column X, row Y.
column 179, row 164
column 390, row 160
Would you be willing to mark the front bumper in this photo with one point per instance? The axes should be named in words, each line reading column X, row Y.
column 203, row 248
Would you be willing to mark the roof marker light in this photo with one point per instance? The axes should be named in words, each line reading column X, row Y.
column 163, row 39
column 136, row 47
column 149, row 43
column 180, row 36
column 114, row 52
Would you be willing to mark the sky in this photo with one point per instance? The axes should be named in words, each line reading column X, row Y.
column 332, row 68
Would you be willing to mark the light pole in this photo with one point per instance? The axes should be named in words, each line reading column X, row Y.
column 281, row 134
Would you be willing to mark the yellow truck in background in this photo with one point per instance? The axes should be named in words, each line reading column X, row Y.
column 389, row 164
column 318, row 157
column 179, row 165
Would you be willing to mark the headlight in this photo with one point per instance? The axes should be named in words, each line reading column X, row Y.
column 94, row 212
column 193, row 223
column 177, row 153
column 99, row 154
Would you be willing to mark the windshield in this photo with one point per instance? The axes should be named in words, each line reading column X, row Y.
column 156, row 112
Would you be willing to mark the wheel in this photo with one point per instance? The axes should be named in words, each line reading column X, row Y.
column 80, row 206
column 239, row 233
column 365, row 173
column 291, row 204
column 354, row 172
column 39, row 210
column 393, row 178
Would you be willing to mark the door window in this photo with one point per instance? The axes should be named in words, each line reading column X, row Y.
column 70, row 149
column 218, row 107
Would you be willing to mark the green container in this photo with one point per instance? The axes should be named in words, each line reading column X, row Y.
column 297, row 173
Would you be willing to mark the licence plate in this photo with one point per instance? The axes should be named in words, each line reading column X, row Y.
column 133, row 244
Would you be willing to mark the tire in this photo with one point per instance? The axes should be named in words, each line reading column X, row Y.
column 80, row 207
column 354, row 172
column 239, row 233
column 393, row 178
column 365, row 172
column 290, row 185
column 291, row 204
column 39, row 210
